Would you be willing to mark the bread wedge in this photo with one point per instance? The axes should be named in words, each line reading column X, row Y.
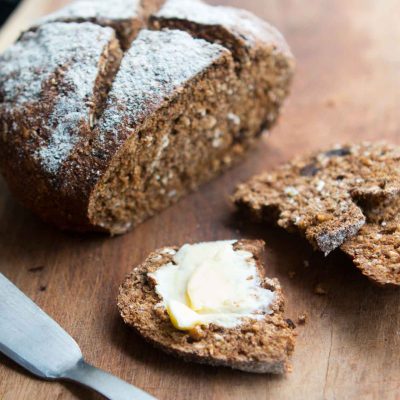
column 260, row 346
column 346, row 197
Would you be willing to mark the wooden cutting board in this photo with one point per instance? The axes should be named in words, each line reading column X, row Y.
column 347, row 88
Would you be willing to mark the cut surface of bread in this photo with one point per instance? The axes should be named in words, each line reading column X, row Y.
column 375, row 250
column 346, row 197
column 139, row 133
column 185, row 143
column 260, row 345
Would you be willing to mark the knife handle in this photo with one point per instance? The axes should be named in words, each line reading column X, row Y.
column 104, row 383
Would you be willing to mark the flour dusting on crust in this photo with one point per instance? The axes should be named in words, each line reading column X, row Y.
column 246, row 26
column 99, row 10
column 58, row 63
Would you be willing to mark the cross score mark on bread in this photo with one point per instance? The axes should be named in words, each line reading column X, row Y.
column 107, row 143
column 126, row 17
column 346, row 197
column 260, row 341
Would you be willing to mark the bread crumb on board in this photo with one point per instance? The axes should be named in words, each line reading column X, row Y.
column 331, row 103
column 302, row 318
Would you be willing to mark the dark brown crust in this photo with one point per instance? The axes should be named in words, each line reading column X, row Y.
column 64, row 198
column 256, row 346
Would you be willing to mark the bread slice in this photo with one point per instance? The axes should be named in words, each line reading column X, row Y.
column 323, row 195
column 346, row 197
column 165, row 120
column 260, row 346
column 127, row 17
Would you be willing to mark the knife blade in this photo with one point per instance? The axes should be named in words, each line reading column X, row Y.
column 36, row 342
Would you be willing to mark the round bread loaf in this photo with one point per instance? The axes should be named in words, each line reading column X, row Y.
column 99, row 132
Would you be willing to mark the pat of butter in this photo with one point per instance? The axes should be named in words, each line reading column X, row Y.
column 182, row 317
column 211, row 283
column 209, row 288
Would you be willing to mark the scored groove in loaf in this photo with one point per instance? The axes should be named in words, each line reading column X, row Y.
column 126, row 17
column 238, row 30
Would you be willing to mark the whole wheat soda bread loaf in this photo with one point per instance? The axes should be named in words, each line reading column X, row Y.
column 111, row 114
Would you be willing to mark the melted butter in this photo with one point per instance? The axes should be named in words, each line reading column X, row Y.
column 211, row 283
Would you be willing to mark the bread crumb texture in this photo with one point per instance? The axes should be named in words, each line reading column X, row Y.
column 346, row 197
column 260, row 346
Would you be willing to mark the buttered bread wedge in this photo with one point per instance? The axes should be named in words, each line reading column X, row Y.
column 210, row 303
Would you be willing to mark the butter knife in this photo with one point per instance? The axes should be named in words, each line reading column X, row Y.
column 37, row 343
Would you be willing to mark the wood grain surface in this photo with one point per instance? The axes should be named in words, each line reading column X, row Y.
column 347, row 88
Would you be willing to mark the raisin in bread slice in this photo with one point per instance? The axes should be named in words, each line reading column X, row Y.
column 166, row 122
column 260, row 345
